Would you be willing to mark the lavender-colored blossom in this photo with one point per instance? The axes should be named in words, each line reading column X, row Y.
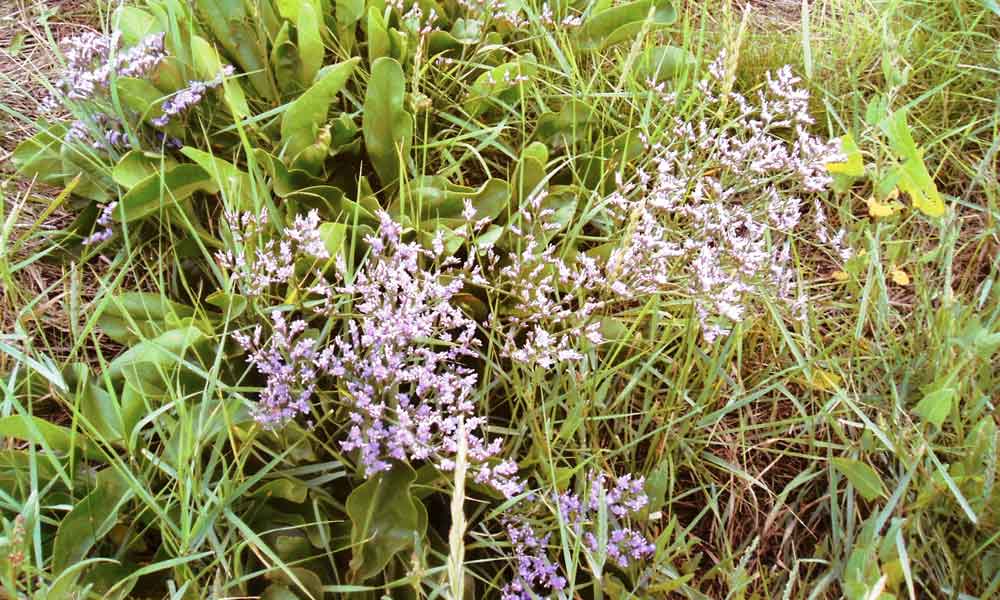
column 399, row 360
column 618, row 500
column 93, row 59
column 183, row 100
column 535, row 575
column 259, row 266
column 289, row 363
column 104, row 221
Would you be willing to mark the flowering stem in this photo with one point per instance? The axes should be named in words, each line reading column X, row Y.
column 456, row 537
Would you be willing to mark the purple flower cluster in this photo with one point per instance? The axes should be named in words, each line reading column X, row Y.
column 626, row 496
column 732, row 192
column 259, row 266
column 104, row 221
column 288, row 360
column 398, row 360
column 535, row 574
column 94, row 59
column 190, row 96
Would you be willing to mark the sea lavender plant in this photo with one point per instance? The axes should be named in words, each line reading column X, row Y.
column 722, row 202
column 399, row 361
column 536, row 575
column 185, row 99
column 93, row 61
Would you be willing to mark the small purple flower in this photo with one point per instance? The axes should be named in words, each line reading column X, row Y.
column 104, row 221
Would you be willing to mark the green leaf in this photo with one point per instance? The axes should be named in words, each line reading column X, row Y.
column 914, row 179
column 622, row 23
column 309, row 40
column 232, row 27
column 303, row 118
column 156, row 192
column 349, row 12
column 162, row 352
column 936, row 406
column 137, row 165
column 333, row 235
column 39, row 431
column 39, row 156
column 135, row 24
column 278, row 592
column 89, row 521
column 385, row 520
column 387, row 127
column 286, row 61
column 379, row 44
column 232, row 181
column 864, row 478
column 232, row 305
column 285, row 489
column 494, row 84
column 662, row 63
column 854, row 166
column 564, row 128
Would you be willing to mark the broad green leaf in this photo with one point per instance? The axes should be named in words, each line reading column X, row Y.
column 387, row 126
column 232, row 305
column 936, row 406
column 232, row 26
column 94, row 403
column 231, row 180
column 494, row 84
column 622, row 23
column 283, row 488
column 864, row 478
column 854, row 165
column 662, row 63
column 208, row 66
column 310, row 41
column 564, row 128
column 332, row 202
column 162, row 352
column 39, row 431
column 349, row 12
column 277, row 591
column 146, row 306
column 379, row 44
column 530, row 172
column 385, row 520
column 89, row 521
column 286, row 61
column 158, row 191
column 137, row 165
column 333, row 235
column 135, row 24
column 303, row 118
column 39, row 156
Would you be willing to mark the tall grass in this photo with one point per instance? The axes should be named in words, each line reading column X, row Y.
column 759, row 452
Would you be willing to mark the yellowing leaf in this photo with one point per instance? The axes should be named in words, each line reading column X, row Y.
column 879, row 210
column 912, row 174
column 854, row 166
column 899, row 277
column 840, row 276
column 821, row 379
